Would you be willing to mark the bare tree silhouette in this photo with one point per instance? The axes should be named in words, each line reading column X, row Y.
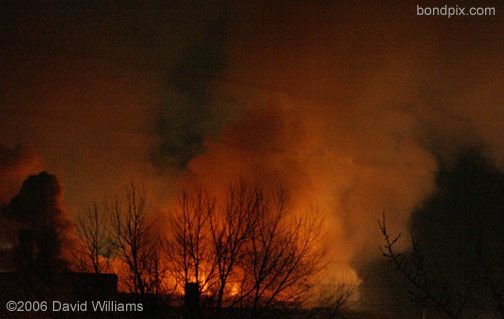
column 136, row 242
column 250, row 252
column 332, row 300
column 466, row 299
column 189, row 250
column 231, row 232
column 93, row 253
column 284, row 256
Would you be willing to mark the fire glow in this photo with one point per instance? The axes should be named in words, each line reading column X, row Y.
column 352, row 113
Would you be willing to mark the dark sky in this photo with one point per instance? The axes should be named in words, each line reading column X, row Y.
column 81, row 83
column 348, row 103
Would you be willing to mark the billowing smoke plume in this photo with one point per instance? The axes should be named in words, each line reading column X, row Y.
column 15, row 164
column 188, row 115
column 459, row 230
column 351, row 110
column 38, row 207
column 349, row 105
column 465, row 211
column 87, row 83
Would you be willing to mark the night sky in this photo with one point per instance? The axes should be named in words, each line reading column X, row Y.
column 357, row 107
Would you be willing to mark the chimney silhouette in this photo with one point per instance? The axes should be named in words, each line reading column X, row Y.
column 192, row 300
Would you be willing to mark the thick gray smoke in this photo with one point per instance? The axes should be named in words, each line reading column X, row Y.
column 15, row 164
column 104, row 90
column 354, row 110
column 187, row 115
column 351, row 104
column 459, row 231
column 38, row 207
